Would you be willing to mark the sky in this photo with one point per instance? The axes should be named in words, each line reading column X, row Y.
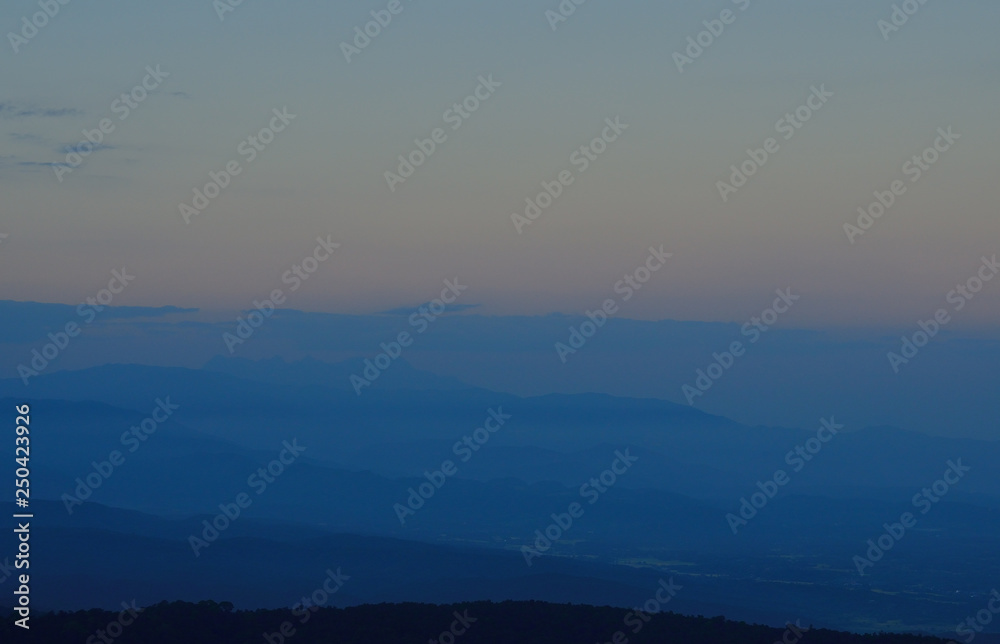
column 553, row 83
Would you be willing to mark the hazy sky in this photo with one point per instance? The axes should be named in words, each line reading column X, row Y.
column 656, row 184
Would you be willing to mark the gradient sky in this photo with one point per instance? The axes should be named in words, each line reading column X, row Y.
column 656, row 185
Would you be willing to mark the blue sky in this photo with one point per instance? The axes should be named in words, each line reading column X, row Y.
column 657, row 184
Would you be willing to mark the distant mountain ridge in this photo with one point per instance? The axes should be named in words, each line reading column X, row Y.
column 309, row 371
column 212, row 622
column 364, row 455
column 791, row 377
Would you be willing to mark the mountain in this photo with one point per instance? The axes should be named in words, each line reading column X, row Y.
column 309, row 371
column 363, row 457
column 103, row 556
column 211, row 622
column 789, row 378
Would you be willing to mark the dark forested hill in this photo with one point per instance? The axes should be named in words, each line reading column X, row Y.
column 467, row 623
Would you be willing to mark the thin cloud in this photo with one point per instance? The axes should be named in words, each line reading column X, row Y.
column 449, row 308
column 12, row 110
column 38, row 164
column 66, row 149
column 28, row 138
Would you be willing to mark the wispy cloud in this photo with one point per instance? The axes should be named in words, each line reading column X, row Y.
column 12, row 110
column 28, row 138
column 37, row 164
column 449, row 308
column 66, row 149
